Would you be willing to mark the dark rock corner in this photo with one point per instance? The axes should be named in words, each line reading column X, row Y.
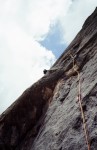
column 47, row 115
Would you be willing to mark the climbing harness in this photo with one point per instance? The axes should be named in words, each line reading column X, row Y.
column 80, row 103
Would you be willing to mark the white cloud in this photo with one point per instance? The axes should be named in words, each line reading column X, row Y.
column 22, row 58
column 41, row 15
column 22, row 61
column 72, row 22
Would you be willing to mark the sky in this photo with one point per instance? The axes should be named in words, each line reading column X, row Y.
column 33, row 34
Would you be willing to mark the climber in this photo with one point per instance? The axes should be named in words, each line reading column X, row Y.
column 45, row 71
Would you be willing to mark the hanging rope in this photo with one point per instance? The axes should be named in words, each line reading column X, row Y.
column 81, row 108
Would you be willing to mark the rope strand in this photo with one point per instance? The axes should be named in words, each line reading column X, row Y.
column 81, row 108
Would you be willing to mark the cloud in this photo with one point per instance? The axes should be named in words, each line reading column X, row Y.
column 77, row 13
column 41, row 15
column 22, row 58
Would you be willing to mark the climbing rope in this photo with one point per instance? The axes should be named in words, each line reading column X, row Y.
column 81, row 108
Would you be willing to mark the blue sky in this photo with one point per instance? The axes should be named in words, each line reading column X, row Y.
column 33, row 34
column 53, row 41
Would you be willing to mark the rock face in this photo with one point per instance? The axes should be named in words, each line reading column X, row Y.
column 47, row 115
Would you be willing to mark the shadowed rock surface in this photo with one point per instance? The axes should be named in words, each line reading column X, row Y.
column 47, row 115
